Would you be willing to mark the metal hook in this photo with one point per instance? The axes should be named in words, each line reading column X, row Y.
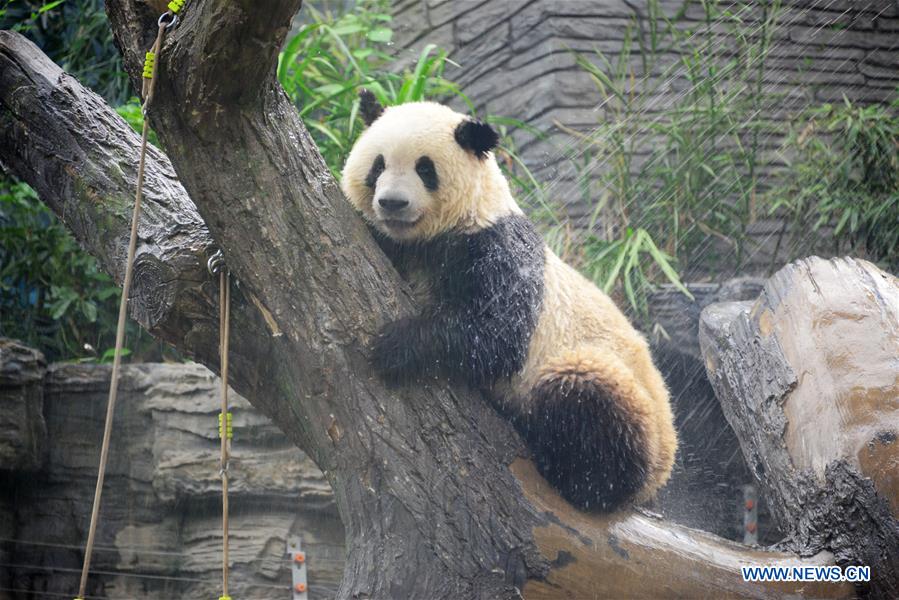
column 168, row 24
column 215, row 262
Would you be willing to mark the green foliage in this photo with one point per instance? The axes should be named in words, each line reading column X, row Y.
column 620, row 262
column 324, row 65
column 698, row 176
column 52, row 294
column 77, row 36
column 663, row 180
column 843, row 174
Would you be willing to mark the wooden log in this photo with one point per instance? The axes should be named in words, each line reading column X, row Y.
column 808, row 377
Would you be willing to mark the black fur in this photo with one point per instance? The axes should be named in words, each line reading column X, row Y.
column 488, row 287
column 476, row 136
column 369, row 107
column 377, row 167
column 425, row 168
column 584, row 443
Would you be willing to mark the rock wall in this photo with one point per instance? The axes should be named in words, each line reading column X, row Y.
column 517, row 60
column 23, row 431
column 160, row 527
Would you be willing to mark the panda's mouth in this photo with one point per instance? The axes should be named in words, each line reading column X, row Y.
column 400, row 225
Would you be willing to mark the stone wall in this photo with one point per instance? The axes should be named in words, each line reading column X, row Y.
column 160, row 526
column 516, row 60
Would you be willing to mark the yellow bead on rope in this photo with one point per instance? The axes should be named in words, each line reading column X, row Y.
column 149, row 62
column 224, row 597
column 230, row 428
column 176, row 5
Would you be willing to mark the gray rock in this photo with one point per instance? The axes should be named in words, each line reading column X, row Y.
column 160, row 526
column 840, row 37
column 677, row 316
column 705, row 489
column 23, row 433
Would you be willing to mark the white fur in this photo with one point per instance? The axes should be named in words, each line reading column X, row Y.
column 472, row 192
column 580, row 330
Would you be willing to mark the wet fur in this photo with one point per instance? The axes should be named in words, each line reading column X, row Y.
column 508, row 315
column 589, row 436
column 488, row 291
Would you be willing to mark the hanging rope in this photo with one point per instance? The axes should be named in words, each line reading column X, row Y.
column 165, row 21
column 216, row 265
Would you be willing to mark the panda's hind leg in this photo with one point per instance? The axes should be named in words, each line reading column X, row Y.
column 592, row 430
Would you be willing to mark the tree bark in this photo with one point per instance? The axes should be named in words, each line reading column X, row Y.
column 431, row 487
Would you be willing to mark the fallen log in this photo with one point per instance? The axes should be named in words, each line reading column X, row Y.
column 808, row 377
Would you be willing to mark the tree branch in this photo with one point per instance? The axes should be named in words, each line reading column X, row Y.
column 432, row 507
column 330, row 288
column 81, row 158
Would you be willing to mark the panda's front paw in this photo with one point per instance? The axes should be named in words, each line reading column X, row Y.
column 393, row 355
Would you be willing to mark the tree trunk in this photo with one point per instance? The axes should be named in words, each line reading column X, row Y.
column 430, row 482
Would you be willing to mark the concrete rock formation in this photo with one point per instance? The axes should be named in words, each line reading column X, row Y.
column 706, row 487
column 23, row 433
column 160, row 527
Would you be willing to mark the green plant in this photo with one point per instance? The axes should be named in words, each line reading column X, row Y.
column 52, row 294
column 76, row 35
column 324, row 65
column 842, row 176
column 665, row 180
column 623, row 262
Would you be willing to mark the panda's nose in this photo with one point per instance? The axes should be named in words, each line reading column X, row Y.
column 393, row 203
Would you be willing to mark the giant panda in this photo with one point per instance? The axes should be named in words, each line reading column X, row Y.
column 503, row 312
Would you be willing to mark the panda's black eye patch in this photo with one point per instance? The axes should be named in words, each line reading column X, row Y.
column 424, row 166
column 377, row 167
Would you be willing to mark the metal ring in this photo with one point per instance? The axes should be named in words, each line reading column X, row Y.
column 168, row 24
column 215, row 262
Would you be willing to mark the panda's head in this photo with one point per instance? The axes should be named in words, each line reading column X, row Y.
column 422, row 169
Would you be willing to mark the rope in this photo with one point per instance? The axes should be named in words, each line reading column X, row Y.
column 225, row 416
column 150, row 75
column 225, row 432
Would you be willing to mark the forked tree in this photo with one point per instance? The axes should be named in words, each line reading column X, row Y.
column 434, row 489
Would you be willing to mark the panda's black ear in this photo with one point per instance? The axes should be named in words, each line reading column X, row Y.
column 369, row 107
column 477, row 136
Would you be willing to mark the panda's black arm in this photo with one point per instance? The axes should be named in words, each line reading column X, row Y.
column 489, row 290
column 397, row 252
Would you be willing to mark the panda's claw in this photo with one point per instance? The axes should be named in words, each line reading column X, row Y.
column 392, row 356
